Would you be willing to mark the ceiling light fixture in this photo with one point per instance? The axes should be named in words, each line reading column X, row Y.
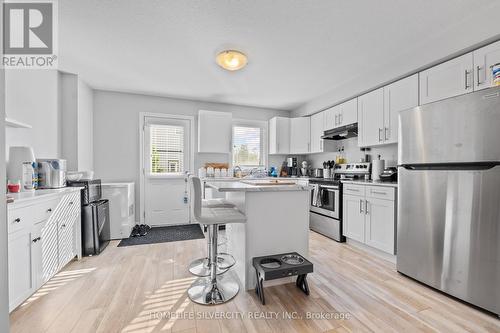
column 231, row 60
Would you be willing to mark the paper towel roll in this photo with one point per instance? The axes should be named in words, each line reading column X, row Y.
column 377, row 168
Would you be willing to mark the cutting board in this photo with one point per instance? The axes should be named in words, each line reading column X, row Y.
column 266, row 182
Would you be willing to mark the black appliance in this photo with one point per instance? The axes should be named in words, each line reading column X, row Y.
column 389, row 174
column 91, row 191
column 96, row 231
column 96, row 228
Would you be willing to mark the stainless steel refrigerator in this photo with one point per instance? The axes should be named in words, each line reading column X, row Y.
column 449, row 196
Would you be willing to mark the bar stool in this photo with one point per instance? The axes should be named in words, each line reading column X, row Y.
column 213, row 289
column 201, row 266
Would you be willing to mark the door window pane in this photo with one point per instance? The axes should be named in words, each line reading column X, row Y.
column 167, row 149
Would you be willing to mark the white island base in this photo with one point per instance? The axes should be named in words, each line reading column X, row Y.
column 277, row 222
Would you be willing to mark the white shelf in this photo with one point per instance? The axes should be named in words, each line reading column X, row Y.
column 9, row 122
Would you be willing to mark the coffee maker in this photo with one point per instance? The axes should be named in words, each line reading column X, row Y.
column 293, row 170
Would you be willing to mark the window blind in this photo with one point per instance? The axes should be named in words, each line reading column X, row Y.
column 167, row 149
column 247, row 146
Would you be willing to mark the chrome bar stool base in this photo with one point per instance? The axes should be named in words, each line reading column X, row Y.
column 200, row 267
column 204, row 292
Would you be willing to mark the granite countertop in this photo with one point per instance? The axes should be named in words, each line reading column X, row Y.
column 370, row 182
column 238, row 186
column 40, row 194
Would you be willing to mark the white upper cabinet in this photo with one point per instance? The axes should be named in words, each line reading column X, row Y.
column 349, row 112
column 317, row 129
column 398, row 96
column 371, row 118
column 484, row 58
column 279, row 135
column 300, row 135
column 214, row 132
column 342, row 114
column 451, row 78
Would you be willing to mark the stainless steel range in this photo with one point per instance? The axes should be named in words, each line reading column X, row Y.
column 326, row 199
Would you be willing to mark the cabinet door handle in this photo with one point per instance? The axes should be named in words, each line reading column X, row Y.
column 336, row 119
column 386, row 130
column 321, row 145
column 478, row 68
column 366, row 207
column 379, row 134
column 49, row 210
column 466, row 79
column 34, row 240
column 18, row 220
column 340, row 118
column 360, row 206
column 377, row 192
column 70, row 203
column 63, row 226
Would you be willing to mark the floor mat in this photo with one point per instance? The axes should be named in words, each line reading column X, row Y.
column 167, row 234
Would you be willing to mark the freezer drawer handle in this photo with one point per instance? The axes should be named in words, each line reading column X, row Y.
column 451, row 166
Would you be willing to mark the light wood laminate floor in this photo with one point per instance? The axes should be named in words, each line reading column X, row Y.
column 143, row 289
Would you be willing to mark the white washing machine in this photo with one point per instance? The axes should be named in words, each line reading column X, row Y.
column 121, row 198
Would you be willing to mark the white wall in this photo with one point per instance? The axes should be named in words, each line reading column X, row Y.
column 77, row 122
column 4, row 291
column 31, row 96
column 85, row 127
column 116, row 130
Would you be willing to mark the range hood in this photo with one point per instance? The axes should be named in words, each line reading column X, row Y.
column 341, row 133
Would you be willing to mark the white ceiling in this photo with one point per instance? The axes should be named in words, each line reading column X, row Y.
column 298, row 50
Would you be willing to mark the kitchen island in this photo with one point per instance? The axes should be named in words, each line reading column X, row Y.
column 277, row 222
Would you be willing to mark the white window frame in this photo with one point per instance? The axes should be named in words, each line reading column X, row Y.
column 264, row 139
column 142, row 176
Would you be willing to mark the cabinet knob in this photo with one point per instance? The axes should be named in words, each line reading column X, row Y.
column 49, row 210
column 35, row 240
column 63, row 226
column 17, row 220
column 70, row 203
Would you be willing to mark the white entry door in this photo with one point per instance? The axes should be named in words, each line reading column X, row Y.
column 166, row 160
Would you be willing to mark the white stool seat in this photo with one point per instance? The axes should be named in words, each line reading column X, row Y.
column 214, row 203
column 220, row 215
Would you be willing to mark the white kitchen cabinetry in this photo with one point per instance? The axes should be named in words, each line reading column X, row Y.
column 300, row 135
column 451, row 78
column 371, row 118
column 369, row 216
column 484, row 58
column 279, row 135
column 354, row 217
column 398, row 96
column 317, row 129
column 214, row 132
column 20, row 267
column 38, row 244
column 342, row 114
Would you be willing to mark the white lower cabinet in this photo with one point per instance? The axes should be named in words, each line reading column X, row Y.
column 20, row 267
column 354, row 217
column 369, row 216
column 379, row 224
column 38, row 249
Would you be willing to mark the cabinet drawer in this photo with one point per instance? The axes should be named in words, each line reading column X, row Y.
column 19, row 218
column 353, row 189
column 380, row 192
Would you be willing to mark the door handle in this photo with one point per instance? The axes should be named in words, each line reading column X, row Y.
column 466, row 79
column 379, row 134
column 386, row 130
column 336, row 122
column 321, row 145
column 18, row 220
column 340, row 118
column 478, row 68
column 49, row 210
column 366, row 207
column 360, row 206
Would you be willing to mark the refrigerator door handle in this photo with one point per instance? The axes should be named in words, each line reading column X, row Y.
column 451, row 166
